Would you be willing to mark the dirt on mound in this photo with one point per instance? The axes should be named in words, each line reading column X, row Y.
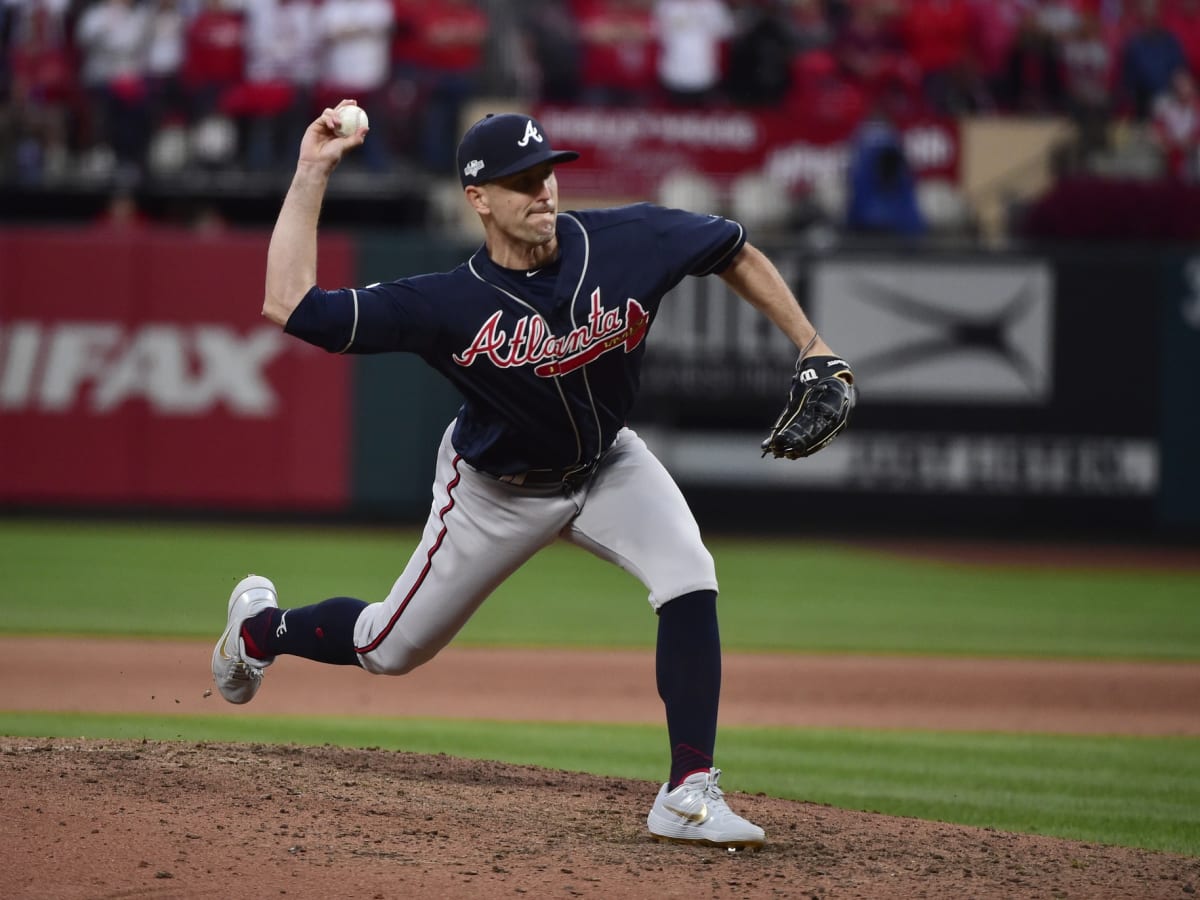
column 102, row 819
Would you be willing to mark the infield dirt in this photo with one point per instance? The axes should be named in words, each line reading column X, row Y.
column 106, row 819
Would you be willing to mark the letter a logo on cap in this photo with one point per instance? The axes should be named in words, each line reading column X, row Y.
column 530, row 132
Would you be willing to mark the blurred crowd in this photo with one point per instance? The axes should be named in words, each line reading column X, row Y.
column 129, row 87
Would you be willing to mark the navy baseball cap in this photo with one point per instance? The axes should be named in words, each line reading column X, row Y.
column 504, row 144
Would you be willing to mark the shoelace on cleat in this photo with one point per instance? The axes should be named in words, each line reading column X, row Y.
column 714, row 793
column 242, row 672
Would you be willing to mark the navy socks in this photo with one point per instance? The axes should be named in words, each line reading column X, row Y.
column 687, row 663
column 688, row 669
column 324, row 632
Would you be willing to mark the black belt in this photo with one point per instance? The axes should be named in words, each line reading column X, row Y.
column 569, row 478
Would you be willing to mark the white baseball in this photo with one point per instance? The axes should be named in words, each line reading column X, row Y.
column 350, row 120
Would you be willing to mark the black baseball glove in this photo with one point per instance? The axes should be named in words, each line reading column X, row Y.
column 818, row 408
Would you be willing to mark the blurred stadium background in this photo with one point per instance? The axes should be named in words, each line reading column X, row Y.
column 989, row 206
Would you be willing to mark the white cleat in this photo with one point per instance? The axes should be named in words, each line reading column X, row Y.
column 237, row 675
column 696, row 813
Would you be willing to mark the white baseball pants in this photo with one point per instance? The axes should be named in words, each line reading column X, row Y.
column 481, row 530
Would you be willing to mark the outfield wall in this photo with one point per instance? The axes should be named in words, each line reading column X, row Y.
column 136, row 371
column 1022, row 391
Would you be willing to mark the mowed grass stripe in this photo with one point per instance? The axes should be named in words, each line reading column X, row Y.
column 172, row 580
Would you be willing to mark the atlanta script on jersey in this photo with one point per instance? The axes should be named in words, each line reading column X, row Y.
column 547, row 360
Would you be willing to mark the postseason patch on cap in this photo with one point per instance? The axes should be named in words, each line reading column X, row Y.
column 503, row 144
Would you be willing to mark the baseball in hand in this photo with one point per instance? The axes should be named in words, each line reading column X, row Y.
column 350, row 120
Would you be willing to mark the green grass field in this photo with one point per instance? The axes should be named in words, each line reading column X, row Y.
column 171, row 580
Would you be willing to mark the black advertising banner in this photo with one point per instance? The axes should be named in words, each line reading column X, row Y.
column 1180, row 503
column 1022, row 383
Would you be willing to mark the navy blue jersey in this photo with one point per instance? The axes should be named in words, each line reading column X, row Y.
column 548, row 361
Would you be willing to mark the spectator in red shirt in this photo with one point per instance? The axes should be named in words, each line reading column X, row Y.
column 214, row 55
column 1182, row 18
column 995, row 25
column 871, row 53
column 41, row 67
column 937, row 35
column 618, row 51
column 42, row 86
column 439, row 49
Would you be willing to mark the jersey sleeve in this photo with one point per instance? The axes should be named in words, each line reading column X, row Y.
column 396, row 315
column 702, row 244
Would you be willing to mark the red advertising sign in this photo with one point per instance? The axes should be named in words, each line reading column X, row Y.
column 135, row 369
column 627, row 152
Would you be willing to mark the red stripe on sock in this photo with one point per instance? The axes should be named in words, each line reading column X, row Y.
column 251, row 648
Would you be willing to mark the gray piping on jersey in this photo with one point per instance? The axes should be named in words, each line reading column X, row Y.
column 557, row 378
column 354, row 327
column 724, row 256
column 587, row 255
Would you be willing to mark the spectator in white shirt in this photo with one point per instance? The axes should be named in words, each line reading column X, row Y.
column 356, row 62
column 691, row 34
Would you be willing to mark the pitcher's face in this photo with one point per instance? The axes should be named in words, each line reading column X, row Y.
column 524, row 207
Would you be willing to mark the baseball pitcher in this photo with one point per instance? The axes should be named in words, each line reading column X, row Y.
column 542, row 330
